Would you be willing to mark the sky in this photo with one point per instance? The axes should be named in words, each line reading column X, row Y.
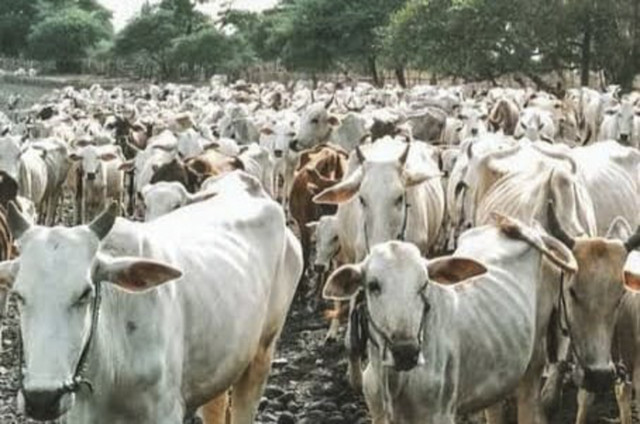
column 123, row 10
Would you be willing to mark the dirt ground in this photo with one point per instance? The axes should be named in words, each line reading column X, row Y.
column 308, row 381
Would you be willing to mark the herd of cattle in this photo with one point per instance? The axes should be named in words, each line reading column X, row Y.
column 197, row 210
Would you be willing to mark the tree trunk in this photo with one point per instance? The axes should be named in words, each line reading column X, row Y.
column 400, row 76
column 585, row 63
column 373, row 69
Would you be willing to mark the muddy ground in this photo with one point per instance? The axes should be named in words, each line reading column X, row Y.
column 308, row 381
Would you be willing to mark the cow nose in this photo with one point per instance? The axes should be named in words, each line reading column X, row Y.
column 44, row 405
column 405, row 355
column 91, row 176
column 277, row 153
column 293, row 145
column 598, row 379
column 474, row 132
column 624, row 138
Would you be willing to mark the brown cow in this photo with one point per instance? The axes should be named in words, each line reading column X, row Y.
column 318, row 169
column 212, row 164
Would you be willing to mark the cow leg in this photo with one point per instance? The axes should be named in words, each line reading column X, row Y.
column 373, row 397
column 247, row 391
column 354, row 370
column 623, row 397
column 585, row 399
column 494, row 414
column 530, row 409
column 215, row 412
column 334, row 327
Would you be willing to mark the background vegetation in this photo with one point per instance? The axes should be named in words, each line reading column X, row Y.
column 469, row 39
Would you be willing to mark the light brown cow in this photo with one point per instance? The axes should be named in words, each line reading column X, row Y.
column 319, row 169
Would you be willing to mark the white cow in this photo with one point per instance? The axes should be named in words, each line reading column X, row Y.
column 102, row 180
column 535, row 124
column 438, row 349
column 154, row 357
column 164, row 197
column 618, row 123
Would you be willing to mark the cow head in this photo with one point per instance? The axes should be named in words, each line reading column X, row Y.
column 591, row 298
column 315, row 126
column 622, row 116
column 164, row 197
column 379, row 189
column 57, row 308
column 325, row 232
column 92, row 159
column 535, row 124
column 473, row 122
column 396, row 281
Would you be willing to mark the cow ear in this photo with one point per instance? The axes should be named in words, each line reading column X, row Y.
column 344, row 283
column 134, row 274
column 333, row 120
column 451, row 270
column 127, row 165
column 75, row 157
column 108, row 156
column 340, row 192
column 619, row 229
column 632, row 281
column 413, row 178
column 266, row 130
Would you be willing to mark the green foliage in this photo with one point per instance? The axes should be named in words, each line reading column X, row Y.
column 66, row 37
column 213, row 50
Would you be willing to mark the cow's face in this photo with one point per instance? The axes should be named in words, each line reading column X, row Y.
column 592, row 299
column 396, row 282
column 327, row 241
column 163, row 197
column 535, row 124
column 379, row 189
column 474, row 122
column 277, row 138
column 92, row 158
column 623, row 121
column 54, row 281
column 315, row 127
column 10, row 153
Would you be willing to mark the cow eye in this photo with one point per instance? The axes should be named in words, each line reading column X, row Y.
column 335, row 239
column 314, row 121
column 573, row 294
column 374, row 287
column 84, row 297
column 363, row 202
column 458, row 129
column 523, row 125
column 398, row 201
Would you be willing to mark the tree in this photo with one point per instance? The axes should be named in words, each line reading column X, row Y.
column 214, row 50
column 151, row 35
column 16, row 18
column 66, row 37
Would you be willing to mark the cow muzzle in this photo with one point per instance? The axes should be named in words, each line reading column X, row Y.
column 45, row 404
column 406, row 355
column 277, row 153
column 624, row 138
column 91, row 176
column 598, row 380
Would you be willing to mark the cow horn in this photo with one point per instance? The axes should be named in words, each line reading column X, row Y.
column 633, row 242
column 103, row 223
column 556, row 229
column 360, row 155
column 330, row 101
column 403, row 157
column 18, row 224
